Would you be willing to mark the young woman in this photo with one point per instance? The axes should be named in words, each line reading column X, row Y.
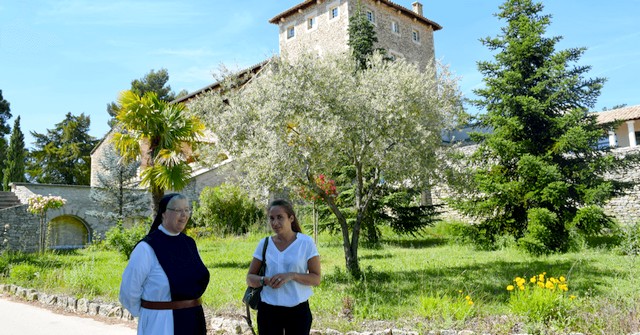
column 165, row 277
column 293, row 266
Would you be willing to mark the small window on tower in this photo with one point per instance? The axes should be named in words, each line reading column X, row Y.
column 334, row 12
column 371, row 16
column 291, row 32
column 415, row 36
column 395, row 27
column 311, row 23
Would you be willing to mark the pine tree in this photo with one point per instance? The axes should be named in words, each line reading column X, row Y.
column 539, row 174
column 362, row 37
column 63, row 154
column 117, row 190
column 15, row 158
column 5, row 115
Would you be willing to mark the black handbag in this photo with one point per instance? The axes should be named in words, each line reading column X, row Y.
column 252, row 294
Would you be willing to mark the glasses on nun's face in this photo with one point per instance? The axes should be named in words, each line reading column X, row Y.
column 183, row 211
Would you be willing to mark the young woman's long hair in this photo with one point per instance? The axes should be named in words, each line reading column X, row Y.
column 288, row 208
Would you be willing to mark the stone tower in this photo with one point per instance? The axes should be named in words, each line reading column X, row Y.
column 321, row 26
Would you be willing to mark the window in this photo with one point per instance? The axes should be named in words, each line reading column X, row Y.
column 291, row 32
column 333, row 12
column 394, row 55
column 371, row 17
column 415, row 36
column 311, row 23
column 395, row 27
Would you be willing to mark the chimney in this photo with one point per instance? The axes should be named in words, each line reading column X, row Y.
column 417, row 8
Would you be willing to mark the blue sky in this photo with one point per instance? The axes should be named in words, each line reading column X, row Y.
column 60, row 56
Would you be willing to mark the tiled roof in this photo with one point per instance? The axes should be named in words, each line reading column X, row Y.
column 623, row 114
column 404, row 10
column 253, row 69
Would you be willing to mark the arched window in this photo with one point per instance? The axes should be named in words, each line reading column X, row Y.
column 68, row 232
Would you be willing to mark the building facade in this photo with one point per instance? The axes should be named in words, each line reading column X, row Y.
column 321, row 26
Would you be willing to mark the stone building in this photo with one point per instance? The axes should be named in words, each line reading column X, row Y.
column 623, row 139
column 626, row 133
column 320, row 26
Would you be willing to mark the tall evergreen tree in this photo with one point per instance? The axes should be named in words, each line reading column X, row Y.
column 362, row 37
column 538, row 175
column 5, row 115
column 63, row 154
column 117, row 190
column 15, row 158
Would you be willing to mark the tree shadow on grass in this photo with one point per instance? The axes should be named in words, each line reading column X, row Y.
column 412, row 243
column 230, row 265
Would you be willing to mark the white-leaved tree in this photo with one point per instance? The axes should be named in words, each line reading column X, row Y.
column 295, row 121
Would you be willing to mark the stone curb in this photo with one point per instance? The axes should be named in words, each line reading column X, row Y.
column 218, row 325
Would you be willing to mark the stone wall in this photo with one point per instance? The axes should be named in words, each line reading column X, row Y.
column 78, row 203
column 18, row 229
column 625, row 208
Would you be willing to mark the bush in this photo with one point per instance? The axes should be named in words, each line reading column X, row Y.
column 591, row 221
column 540, row 238
column 124, row 240
column 227, row 209
column 630, row 241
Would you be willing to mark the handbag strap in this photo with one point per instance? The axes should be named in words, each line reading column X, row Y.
column 263, row 266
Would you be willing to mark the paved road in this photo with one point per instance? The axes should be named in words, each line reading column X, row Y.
column 26, row 319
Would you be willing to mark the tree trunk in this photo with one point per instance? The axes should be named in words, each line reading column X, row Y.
column 157, row 194
column 43, row 233
column 350, row 250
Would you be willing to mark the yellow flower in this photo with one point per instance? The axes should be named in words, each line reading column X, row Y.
column 459, row 291
column 572, row 297
column 468, row 297
column 562, row 279
column 533, row 279
column 540, row 284
column 563, row 287
column 550, row 285
column 470, row 302
column 510, row 287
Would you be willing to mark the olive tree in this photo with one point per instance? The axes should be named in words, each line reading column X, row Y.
column 295, row 121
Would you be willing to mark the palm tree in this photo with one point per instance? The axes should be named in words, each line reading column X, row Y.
column 159, row 134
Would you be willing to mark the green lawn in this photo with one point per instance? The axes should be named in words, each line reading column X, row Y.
column 419, row 283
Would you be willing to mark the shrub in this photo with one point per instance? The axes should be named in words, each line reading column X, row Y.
column 227, row 209
column 630, row 241
column 540, row 239
column 124, row 240
column 591, row 220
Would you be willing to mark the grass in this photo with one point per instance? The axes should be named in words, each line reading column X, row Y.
column 422, row 284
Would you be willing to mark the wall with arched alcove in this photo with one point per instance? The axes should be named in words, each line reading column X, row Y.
column 68, row 232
